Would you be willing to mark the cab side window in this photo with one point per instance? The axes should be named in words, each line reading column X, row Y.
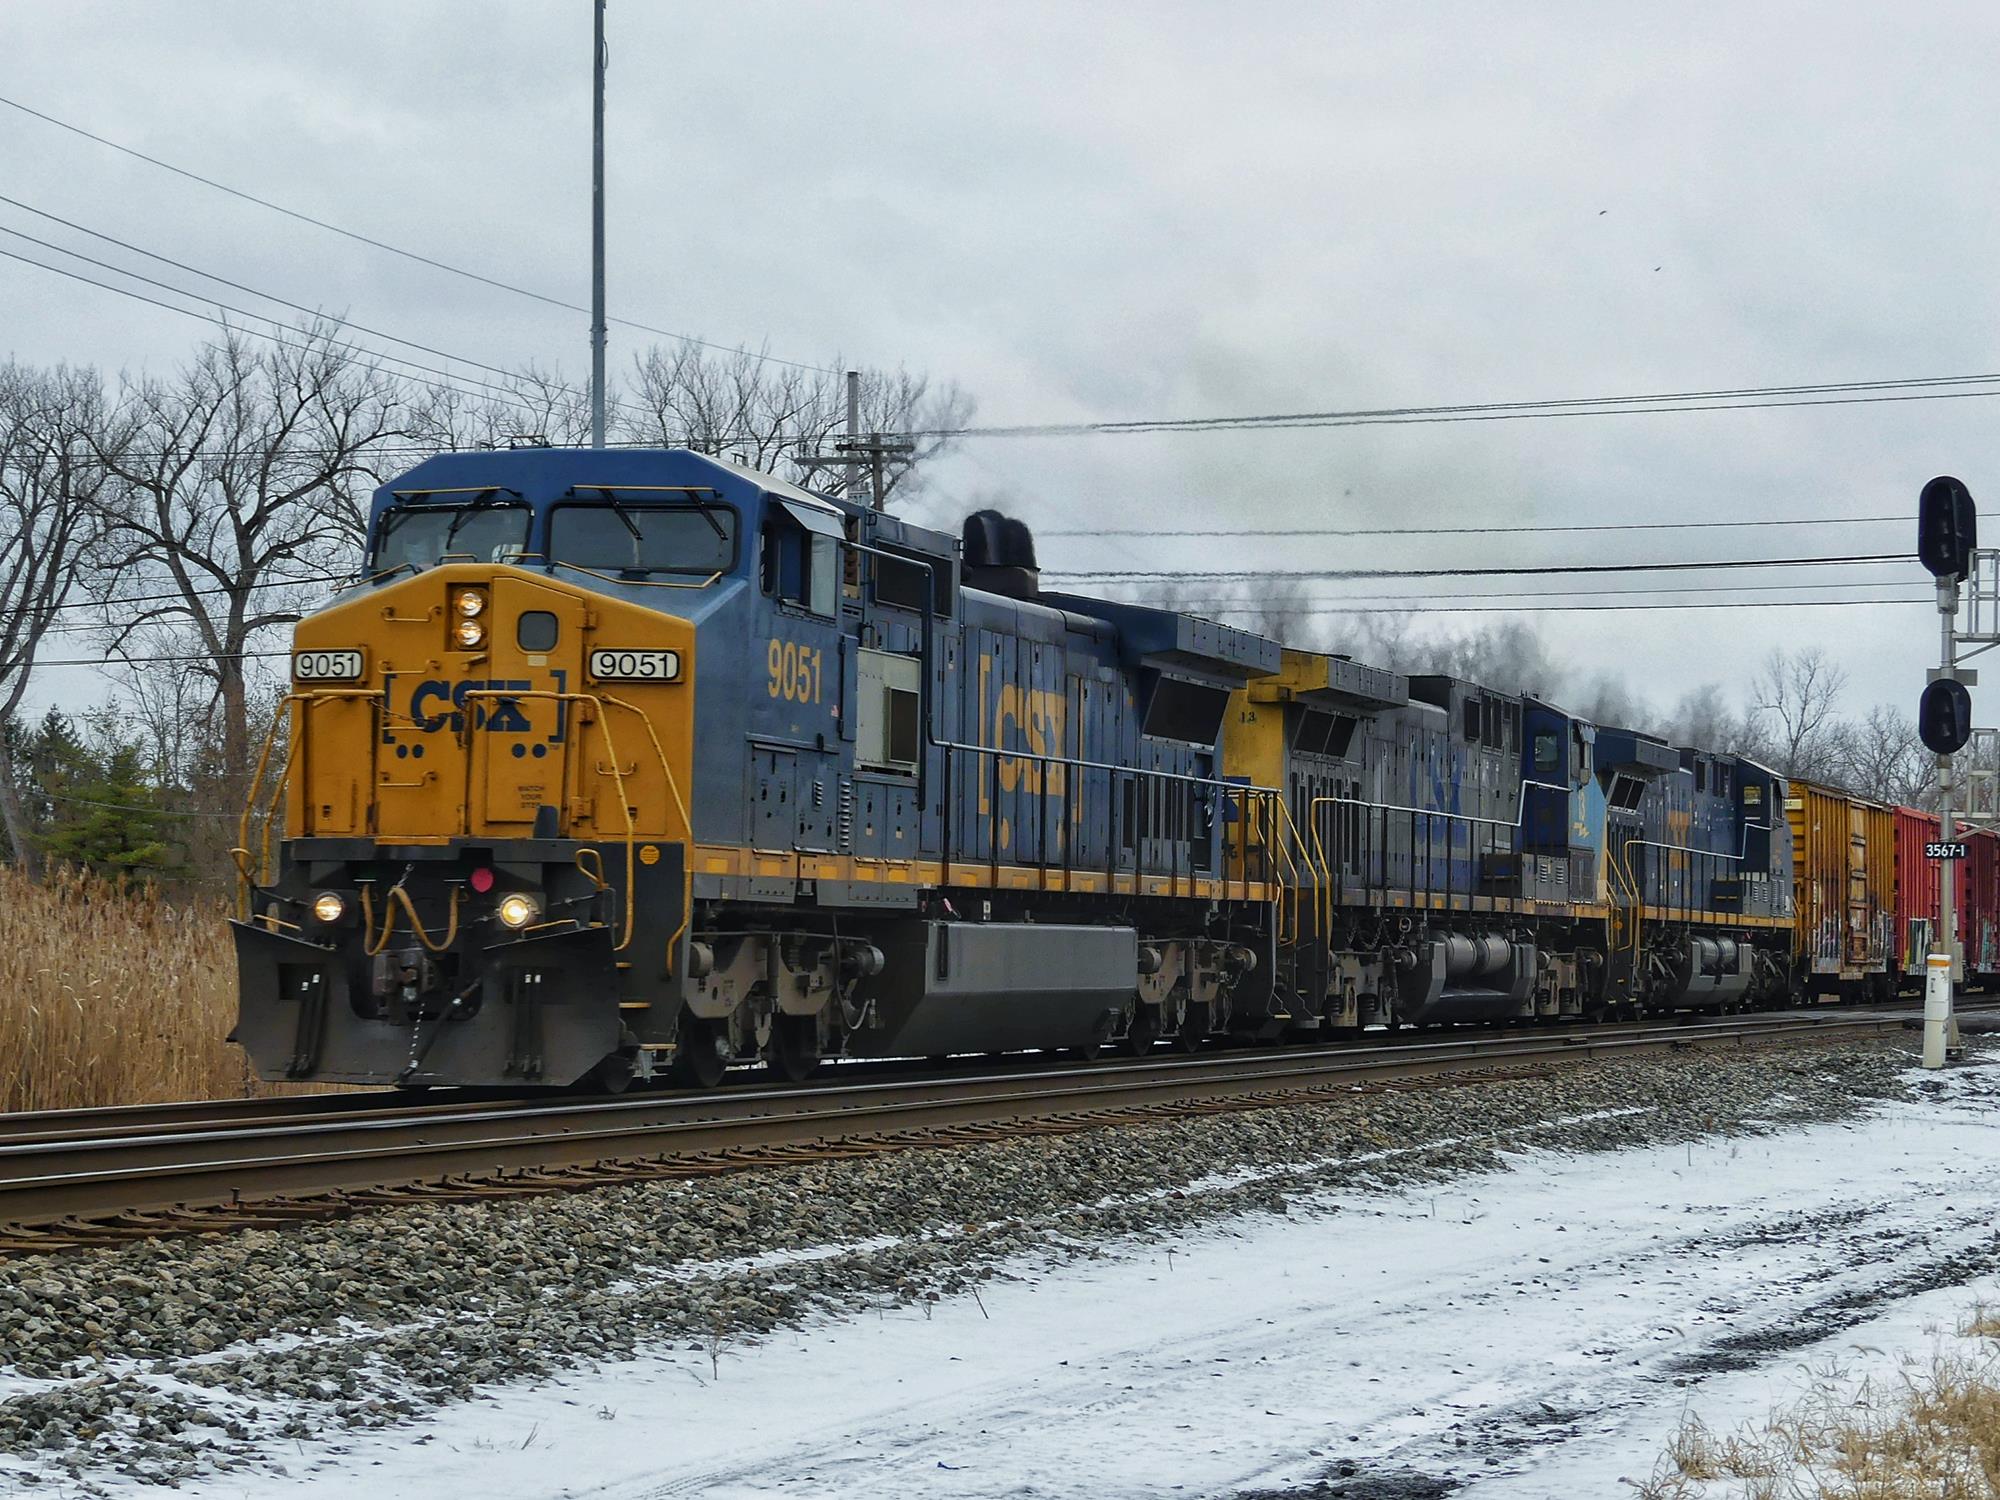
column 800, row 567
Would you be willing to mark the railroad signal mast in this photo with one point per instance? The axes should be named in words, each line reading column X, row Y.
column 1947, row 545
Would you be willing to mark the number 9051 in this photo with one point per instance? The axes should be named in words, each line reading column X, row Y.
column 794, row 672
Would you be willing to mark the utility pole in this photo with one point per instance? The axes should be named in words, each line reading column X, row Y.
column 853, row 431
column 597, row 234
column 864, row 459
column 872, row 451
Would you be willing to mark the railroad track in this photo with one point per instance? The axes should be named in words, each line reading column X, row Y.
column 79, row 1177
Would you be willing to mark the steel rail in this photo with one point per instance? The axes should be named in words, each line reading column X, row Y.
column 55, row 1184
column 131, row 1120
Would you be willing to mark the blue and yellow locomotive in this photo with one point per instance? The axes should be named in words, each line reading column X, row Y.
column 630, row 763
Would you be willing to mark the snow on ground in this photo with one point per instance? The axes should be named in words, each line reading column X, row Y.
column 1528, row 1333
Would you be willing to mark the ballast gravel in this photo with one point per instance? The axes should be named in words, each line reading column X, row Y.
column 164, row 1359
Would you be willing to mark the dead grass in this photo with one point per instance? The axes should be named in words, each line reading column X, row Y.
column 1931, row 1430
column 113, row 996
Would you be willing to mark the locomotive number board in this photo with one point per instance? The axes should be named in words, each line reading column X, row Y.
column 608, row 665
column 326, row 666
column 1936, row 849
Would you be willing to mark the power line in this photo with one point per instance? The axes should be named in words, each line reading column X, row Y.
column 179, row 265
column 1574, row 593
column 1104, row 575
column 1358, row 531
column 1925, row 388
column 178, row 595
column 1535, row 609
column 451, row 381
column 345, row 324
column 421, row 259
column 505, row 395
column 147, row 812
column 133, row 661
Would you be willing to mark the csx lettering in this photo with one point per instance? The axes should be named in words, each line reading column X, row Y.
column 436, row 704
column 1037, row 717
column 793, row 672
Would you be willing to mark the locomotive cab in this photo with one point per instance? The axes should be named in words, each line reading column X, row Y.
column 486, row 777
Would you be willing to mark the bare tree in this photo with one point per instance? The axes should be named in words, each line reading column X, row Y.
column 1703, row 718
column 1796, row 693
column 234, row 486
column 175, row 715
column 1881, row 757
column 1507, row 655
column 48, row 513
column 781, row 418
column 534, row 405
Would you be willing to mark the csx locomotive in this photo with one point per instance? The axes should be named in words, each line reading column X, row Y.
column 630, row 763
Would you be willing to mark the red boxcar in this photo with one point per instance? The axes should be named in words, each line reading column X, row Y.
column 1980, row 927
column 1917, row 897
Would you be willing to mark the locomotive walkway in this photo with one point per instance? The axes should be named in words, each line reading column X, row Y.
column 79, row 1177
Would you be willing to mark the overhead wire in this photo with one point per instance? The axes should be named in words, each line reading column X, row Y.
column 1927, row 388
column 450, row 382
column 181, row 265
column 1108, row 575
column 406, row 254
column 179, row 594
column 126, row 661
column 1537, row 528
column 1532, row 609
column 1573, row 593
column 342, row 322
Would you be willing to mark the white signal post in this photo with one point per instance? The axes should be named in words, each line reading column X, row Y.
column 1947, row 526
column 1940, row 968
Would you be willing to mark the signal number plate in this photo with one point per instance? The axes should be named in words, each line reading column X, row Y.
column 326, row 666
column 1938, row 850
column 635, row 666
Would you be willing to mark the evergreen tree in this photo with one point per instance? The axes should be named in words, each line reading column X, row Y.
column 92, row 801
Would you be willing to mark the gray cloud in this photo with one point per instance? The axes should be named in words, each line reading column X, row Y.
column 1124, row 211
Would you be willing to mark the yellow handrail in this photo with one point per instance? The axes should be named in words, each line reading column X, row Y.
column 1281, row 825
column 246, row 881
column 1620, row 868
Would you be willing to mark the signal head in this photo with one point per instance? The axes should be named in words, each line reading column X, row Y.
column 1947, row 528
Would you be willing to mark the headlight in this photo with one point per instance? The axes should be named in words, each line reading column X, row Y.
column 468, row 602
column 468, row 633
column 517, row 911
column 329, row 907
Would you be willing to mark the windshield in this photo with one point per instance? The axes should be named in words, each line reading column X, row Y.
column 699, row 539
column 419, row 536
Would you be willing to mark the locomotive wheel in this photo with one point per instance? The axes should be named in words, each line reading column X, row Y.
column 794, row 1047
column 1194, row 1030
column 1144, row 1032
column 613, row 1075
column 697, row 1065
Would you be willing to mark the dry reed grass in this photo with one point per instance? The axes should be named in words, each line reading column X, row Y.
column 112, row 995
column 1931, row 1430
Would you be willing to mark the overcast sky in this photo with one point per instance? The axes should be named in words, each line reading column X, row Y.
column 1086, row 212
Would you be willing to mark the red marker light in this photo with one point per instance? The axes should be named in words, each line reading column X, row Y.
column 481, row 880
